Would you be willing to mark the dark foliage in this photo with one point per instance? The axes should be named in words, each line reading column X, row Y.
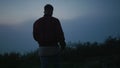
column 101, row 54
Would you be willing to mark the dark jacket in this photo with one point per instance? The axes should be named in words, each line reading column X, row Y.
column 48, row 31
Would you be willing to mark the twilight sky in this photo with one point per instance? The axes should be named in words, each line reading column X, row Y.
column 82, row 20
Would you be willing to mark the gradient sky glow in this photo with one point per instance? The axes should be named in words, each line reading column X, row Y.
column 82, row 20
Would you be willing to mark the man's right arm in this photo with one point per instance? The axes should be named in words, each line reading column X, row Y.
column 60, row 36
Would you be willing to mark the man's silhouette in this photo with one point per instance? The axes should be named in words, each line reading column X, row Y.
column 47, row 31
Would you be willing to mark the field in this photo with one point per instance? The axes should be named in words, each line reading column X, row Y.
column 76, row 55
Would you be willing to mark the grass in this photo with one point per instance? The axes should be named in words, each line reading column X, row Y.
column 88, row 64
column 64, row 65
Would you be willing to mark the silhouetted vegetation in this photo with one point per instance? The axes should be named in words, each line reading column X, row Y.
column 84, row 55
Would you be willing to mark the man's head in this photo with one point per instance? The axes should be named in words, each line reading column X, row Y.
column 48, row 9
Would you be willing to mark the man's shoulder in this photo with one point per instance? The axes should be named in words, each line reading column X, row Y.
column 42, row 19
column 39, row 19
column 55, row 18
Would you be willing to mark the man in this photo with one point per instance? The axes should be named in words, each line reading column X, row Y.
column 47, row 31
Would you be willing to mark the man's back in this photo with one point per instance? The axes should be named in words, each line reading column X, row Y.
column 48, row 30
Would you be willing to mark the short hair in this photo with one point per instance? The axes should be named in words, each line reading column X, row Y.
column 48, row 7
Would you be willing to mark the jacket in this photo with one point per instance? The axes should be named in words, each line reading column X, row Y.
column 47, row 31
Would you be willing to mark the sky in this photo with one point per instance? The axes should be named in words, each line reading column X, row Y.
column 81, row 20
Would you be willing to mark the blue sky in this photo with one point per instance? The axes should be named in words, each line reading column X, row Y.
column 82, row 20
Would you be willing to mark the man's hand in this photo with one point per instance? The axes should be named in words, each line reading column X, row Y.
column 63, row 45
